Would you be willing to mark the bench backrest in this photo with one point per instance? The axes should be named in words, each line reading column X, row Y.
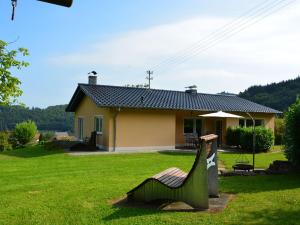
column 208, row 144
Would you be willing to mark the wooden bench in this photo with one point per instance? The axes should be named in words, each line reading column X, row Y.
column 174, row 184
column 172, row 177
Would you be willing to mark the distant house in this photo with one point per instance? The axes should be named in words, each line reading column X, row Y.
column 127, row 118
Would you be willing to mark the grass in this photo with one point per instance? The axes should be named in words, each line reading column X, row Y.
column 50, row 187
column 277, row 148
column 262, row 160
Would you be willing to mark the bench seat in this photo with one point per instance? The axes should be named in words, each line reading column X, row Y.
column 172, row 177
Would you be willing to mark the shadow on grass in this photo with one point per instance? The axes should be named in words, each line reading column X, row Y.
column 123, row 210
column 123, row 213
column 259, row 183
column 176, row 152
column 32, row 152
column 263, row 217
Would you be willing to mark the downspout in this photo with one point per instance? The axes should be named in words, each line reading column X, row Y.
column 115, row 128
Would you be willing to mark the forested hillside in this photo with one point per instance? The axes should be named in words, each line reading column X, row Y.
column 52, row 118
column 276, row 95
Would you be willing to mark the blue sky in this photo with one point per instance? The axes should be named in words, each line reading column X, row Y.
column 122, row 39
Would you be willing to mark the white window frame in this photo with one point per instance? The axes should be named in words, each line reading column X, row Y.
column 245, row 121
column 101, row 117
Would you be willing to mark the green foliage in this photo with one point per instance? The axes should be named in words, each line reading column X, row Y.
column 233, row 136
column 276, row 95
column 244, row 137
column 10, row 84
column 52, row 118
column 264, row 139
column 4, row 142
column 25, row 132
column 292, row 133
column 247, row 139
column 46, row 136
column 279, row 131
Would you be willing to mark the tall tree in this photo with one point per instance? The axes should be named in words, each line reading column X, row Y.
column 9, row 83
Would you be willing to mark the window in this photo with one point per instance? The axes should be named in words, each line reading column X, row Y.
column 198, row 127
column 188, row 126
column 249, row 123
column 98, row 124
column 193, row 126
column 259, row 123
column 242, row 123
column 80, row 128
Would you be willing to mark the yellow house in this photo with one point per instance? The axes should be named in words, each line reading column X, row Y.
column 127, row 118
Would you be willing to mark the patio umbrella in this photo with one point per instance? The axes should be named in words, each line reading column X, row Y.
column 221, row 114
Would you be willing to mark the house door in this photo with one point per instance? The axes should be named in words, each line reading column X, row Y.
column 219, row 131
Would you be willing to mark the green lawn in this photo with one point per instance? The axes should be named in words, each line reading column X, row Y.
column 42, row 187
column 262, row 160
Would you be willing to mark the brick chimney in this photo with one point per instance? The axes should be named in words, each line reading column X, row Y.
column 93, row 80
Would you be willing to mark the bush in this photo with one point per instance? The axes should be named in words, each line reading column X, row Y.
column 292, row 133
column 244, row 137
column 4, row 142
column 264, row 139
column 25, row 132
column 279, row 131
column 247, row 138
column 233, row 136
column 46, row 136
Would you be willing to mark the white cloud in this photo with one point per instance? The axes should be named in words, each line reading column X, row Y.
column 265, row 52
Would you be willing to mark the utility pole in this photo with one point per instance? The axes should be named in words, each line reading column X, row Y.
column 149, row 78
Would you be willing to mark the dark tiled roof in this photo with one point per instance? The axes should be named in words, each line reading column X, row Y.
column 127, row 97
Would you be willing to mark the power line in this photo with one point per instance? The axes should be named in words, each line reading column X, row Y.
column 216, row 42
column 226, row 34
column 219, row 37
column 215, row 32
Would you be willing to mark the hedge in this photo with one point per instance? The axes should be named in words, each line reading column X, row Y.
column 292, row 133
column 243, row 138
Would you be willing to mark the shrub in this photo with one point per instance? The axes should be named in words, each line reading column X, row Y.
column 247, row 138
column 233, row 136
column 13, row 141
column 4, row 142
column 244, row 137
column 279, row 131
column 46, row 136
column 25, row 132
column 292, row 133
column 264, row 139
